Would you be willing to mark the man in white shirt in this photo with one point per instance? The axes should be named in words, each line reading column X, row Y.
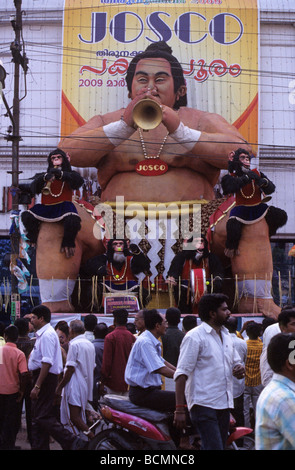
column 204, row 374
column 45, row 363
column 77, row 382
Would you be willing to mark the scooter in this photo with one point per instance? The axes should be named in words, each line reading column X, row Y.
column 125, row 426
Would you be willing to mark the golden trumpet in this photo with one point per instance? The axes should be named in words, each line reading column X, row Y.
column 47, row 188
column 147, row 114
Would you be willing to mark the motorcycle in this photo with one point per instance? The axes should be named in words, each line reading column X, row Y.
column 236, row 433
column 125, row 426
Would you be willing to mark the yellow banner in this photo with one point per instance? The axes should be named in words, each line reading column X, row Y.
column 216, row 41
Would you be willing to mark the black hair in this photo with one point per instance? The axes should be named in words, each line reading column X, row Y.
column 90, row 321
column 279, row 349
column 11, row 333
column 121, row 316
column 22, row 325
column 173, row 316
column 100, row 330
column 285, row 315
column 254, row 330
column 63, row 326
column 160, row 50
column 131, row 327
column 189, row 322
column 208, row 303
column 42, row 311
column 151, row 318
column 267, row 321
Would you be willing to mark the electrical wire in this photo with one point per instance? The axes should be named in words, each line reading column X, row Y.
column 57, row 50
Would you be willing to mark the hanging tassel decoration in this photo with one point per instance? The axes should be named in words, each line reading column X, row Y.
column 236, row 297
column 280, row 288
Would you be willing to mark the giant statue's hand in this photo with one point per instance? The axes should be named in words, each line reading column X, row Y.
column 170, row 117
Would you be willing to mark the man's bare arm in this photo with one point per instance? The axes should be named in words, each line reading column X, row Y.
column 206, row 135
column 166, row 371
column 218, row 139
column 180, row 414
column 88, row 144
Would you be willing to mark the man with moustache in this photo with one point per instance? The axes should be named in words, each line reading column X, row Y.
column 207, row 363
column 146, row 365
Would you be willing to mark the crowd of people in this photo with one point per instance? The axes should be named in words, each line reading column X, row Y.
column 201, row 371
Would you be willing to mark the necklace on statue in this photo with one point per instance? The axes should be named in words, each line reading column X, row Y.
column 117, row 277
column 155, row 167
column 250, row 195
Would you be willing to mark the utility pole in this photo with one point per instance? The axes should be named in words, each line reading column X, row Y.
column 19, row 61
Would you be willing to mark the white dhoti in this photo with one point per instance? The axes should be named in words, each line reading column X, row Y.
column 75, row 393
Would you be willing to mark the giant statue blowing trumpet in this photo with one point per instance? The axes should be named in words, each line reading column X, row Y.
column 193, row 145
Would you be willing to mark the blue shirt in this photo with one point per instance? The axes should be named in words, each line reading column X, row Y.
column 144, row 359
column 275, row 415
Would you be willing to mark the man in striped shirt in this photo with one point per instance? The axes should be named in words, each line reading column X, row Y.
column 275, row 413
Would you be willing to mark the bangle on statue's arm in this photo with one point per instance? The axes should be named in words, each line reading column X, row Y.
column 264, row 182
column 186, row 136
column 118, row 131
